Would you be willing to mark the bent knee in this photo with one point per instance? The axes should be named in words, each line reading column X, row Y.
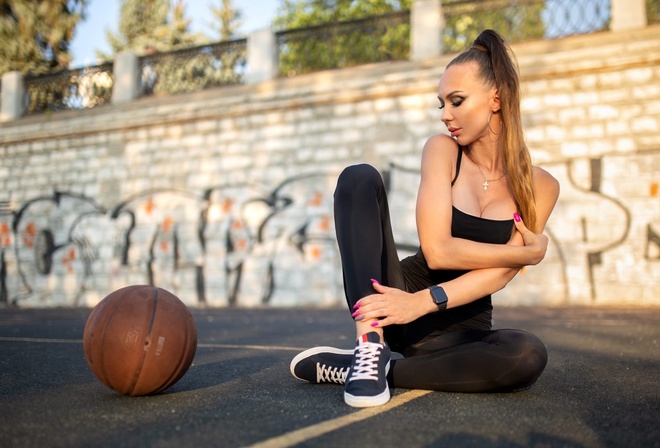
column 531, row 358
column 534, row 359
column 358, row 177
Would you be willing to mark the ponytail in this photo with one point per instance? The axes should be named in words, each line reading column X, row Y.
column 498, row 68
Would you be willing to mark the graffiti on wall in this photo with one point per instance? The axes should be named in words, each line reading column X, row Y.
column 230, row 241
column 249, row 244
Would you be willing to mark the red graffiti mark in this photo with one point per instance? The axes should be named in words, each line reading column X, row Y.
column 29, row 234
column 168, row 222
column 5, row 234
column 149, row 206
column 227, row 204
column 68, row 259
column 315, row 253
column 324, row 225
column 316, row 200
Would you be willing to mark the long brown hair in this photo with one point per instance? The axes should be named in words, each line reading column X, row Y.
column 497, row 67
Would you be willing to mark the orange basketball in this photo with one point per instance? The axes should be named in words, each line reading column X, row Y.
column 140, row 340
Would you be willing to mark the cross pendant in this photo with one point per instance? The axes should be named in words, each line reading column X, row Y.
column 485, row 184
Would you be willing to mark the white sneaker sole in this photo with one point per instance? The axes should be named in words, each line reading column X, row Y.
column 365, row 402
column 314, row 351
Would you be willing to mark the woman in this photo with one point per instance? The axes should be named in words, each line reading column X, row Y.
column 481, row 208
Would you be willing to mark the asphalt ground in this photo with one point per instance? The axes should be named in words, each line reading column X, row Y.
column 601, row 387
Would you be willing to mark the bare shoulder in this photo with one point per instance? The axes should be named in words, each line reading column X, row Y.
column 441, row 141
column 545, row 185
column 441, row 147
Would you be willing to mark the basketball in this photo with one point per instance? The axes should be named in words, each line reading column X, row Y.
column 139, row 340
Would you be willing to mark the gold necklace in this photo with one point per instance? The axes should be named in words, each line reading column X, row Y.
column 486, row 183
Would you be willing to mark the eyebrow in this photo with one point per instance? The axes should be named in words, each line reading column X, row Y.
column 450, row 94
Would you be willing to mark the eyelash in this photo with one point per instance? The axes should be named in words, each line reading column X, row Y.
column 453, row 103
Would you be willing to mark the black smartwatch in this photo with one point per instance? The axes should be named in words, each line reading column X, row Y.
column 439, row 297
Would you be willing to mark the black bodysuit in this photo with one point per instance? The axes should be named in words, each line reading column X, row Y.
column 455, row 350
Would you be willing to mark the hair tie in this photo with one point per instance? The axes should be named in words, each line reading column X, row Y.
column 480, row 48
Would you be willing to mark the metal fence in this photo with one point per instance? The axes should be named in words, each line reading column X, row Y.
column 193, row 69
column 328, row 46
column 69, row 89
column 653, row 11
column 521, row 20
column 344, row 44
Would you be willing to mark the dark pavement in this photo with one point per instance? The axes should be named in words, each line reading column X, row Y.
column 601, row 387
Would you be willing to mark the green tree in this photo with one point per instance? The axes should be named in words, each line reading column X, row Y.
column 305, row 13
column 148, row 26
column 202, row 66
column 653, row 11
column 35, row 35
column 226, row 20
column 465, row 20
column 333, row 38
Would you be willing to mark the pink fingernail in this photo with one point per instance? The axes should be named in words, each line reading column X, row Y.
column 516, row 216
column 356, row 306
column 373, row 280
column 374, row 324
column 356, row 314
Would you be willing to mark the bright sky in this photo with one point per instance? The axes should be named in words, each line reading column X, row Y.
column 102, row 14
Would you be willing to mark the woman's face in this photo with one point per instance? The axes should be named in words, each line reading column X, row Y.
column 466, row 103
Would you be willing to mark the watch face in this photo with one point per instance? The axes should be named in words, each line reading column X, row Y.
column 439, row 296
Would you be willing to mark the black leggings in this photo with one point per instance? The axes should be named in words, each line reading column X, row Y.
column 461, row 360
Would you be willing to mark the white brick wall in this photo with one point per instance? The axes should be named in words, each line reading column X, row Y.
column 233, row 186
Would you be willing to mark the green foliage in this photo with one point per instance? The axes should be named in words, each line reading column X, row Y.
column 304, row 13
column 226, row 21
column 148, row 26
column 177, row 73
column 465, row 20
column 200, row 67
column 335, row 43
column 326, row 44
column 653, row 11
column 35, row 35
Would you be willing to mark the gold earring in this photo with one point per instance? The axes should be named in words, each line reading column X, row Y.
column 490, row 114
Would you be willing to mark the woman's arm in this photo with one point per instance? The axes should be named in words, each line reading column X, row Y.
column 394, row 306
column 434, row 215
column 482, row 282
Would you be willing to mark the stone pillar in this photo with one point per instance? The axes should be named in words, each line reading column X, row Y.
column 426, row 26
column 126, row 86
column 13, row 96
column 628, row 15
column 262, row 57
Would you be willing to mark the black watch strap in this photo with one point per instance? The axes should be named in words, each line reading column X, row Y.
column 439, row 297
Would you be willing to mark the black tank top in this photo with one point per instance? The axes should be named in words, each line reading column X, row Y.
column 475, row 228
column 474, row 315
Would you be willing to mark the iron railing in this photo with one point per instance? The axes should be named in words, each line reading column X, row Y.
column 69, row 89
column 344, row 44
column 653, row 11
column 193, row 69
column 328, row 46
column 571, row 17
column 521, row 20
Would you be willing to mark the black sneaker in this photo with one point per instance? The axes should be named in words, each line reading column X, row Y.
column 366, row 384
column 322, row 365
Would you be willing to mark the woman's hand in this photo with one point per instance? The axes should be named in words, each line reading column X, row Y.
column 537, row 243
column 392, row 306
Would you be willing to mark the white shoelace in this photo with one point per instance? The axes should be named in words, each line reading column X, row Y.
column 328, row 374
column 366, row 363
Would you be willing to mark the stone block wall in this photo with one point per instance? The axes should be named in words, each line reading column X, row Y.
column 224, row 196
